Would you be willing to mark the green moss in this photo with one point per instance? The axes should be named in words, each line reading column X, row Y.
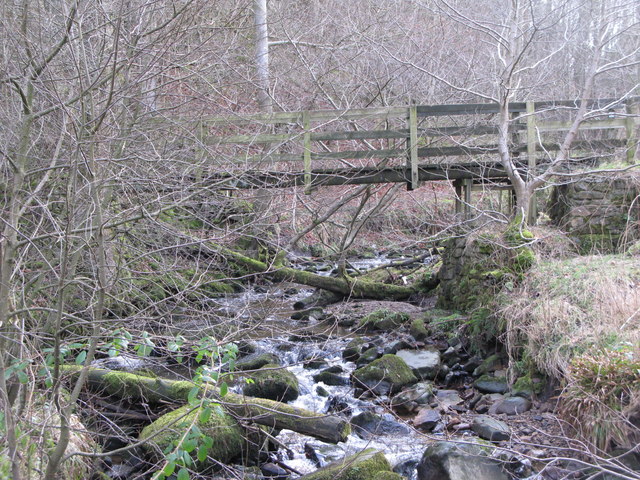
column 384, row 320
column 256, row 361
column 445, row 323
column 418, row 329
column 524, row 260
column 388, row 368
column 489, row 364
column 119, row 383
column 515, row 236
column 388, row 476
column 525, row 385
column 361, row 466
column 227, row 435
column 273, row 382
column 483, row 328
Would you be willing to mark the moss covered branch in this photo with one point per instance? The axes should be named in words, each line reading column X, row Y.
column 347, row 286
column 278, row 415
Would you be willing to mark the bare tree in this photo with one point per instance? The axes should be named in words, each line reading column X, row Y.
column 521, row 51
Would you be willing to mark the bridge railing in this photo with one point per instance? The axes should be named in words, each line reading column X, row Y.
column 401, row 136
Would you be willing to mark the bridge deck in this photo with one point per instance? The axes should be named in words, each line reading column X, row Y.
column 385, row 145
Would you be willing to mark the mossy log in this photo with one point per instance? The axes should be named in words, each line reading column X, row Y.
column 229, row 438
column 346, row 286
column 327, row 428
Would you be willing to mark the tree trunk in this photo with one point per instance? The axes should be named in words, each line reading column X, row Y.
column 262, row 55
column 346, row 286
column 328, row 428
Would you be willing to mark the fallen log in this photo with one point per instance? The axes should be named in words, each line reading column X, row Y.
column 319, row 298
column 328, row 428
column 353, row 287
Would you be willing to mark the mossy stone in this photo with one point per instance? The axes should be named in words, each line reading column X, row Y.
column 489, row 364
column 274, row 383
column 418, row 330
column 388, row 476
column 364, row 465
column 255, row 361
column 352, row 351
column 384, row 320
column 388, row 368
column 525, row 386
column 524, row 260
column 228, row 436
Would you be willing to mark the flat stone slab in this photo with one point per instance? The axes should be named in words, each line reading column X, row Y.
column 424, row 363
column 489, row 384
column 490, row 428
column 447, row 398
column 513, row 405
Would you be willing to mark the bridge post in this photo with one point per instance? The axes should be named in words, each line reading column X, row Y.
column 306, row 125
column 468, row 187
column 458, row 186
column 412, row 158
column 463, row 196
column 531, row 159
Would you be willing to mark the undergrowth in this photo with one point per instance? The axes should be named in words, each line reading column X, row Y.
column 578, row 321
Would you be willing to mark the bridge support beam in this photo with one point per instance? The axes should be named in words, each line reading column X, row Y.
column 463, row 196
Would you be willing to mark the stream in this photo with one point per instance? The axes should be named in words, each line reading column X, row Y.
column 307, row 347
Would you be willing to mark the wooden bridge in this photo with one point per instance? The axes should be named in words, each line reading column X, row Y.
column 410, row 144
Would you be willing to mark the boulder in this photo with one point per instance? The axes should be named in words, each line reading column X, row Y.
column 255, row 361
column 491, row 429
column 513, row 405
column 273, row 382
column 368, row 424
column 451, row 461
column 331, row 376
column 394, row 346
column 337, row 405
column 490, row 384
column 418, row 330
column 448, row 398
column 364, row 465
column 406, row 467
column 387, row 374
column 425, row 363
column 274, row 472
column 412, row 399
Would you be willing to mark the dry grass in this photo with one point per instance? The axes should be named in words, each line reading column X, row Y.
column 602, row 399
column 565, row 307
column 578, row 319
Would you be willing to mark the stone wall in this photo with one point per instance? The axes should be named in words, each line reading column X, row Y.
column 597, row 213
column 475, row 267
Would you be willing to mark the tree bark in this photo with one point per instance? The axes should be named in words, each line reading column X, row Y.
column 328, row 428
